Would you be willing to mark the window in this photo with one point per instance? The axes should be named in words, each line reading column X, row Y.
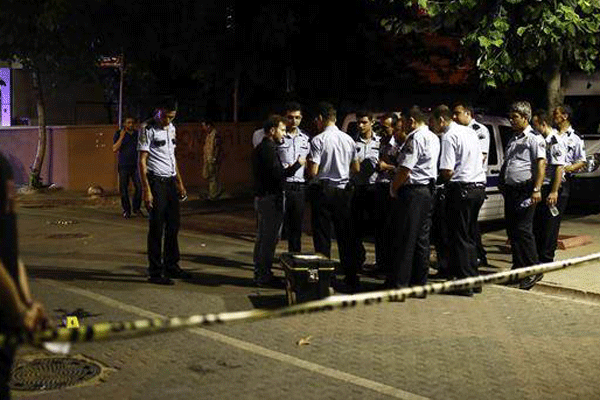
column 492, row 152
column 506, row 132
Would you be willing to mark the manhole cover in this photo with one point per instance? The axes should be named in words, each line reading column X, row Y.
column 52, row 373
column 68, row 236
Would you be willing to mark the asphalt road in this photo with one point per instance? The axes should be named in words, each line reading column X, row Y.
column 502, row 344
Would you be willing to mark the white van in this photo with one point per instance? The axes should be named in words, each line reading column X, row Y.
column 500, row 133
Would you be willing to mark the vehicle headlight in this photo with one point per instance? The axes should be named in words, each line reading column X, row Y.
column 592, row 162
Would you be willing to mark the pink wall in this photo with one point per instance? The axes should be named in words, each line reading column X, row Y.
column 79, row 156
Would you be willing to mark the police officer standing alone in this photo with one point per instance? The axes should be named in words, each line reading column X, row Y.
column 125, row 143
column 363, row 200
column 461, row 165
column 332, row 156
column 295, row 146
column 162, row 188
column 546, row 220
column 521, row 178
column 412, row 189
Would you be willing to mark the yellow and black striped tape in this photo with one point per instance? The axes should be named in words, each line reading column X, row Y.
column 117, row 330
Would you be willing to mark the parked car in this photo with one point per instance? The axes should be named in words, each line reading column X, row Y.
column 585, row 186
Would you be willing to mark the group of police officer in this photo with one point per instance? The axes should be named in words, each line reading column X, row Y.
column 423, row 175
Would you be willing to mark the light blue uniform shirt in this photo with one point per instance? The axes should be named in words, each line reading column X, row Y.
column 556, row 155
column 521, row 155
column 160, row 145
column 388, row 152
column 483, row 134
column 293, row 147
column 575, row 147
column 461, row 153
column 367, row 153
column 333, row 151
column 420, row 154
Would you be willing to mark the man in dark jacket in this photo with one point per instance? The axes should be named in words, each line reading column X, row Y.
column 269, row 176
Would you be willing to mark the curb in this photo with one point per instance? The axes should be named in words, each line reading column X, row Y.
column 561, row 291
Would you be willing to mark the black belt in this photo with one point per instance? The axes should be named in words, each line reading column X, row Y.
column 294, row 185
column 154, row 177
column 520, row 186
column 467, row 185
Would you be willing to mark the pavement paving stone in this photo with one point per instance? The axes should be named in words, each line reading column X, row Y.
column 504, row 343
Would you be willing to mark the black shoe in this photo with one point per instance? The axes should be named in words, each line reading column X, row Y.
column 160, row 280
column 177, row 272
column 530, row 281
column 126, row 214
column 477, row 289
column 138, row 213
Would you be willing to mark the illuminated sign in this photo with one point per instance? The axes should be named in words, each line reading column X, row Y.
column 5, row 96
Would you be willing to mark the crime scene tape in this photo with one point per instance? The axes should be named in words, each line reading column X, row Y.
column 127, row 329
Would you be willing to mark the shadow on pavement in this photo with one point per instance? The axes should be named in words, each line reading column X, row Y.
column 85, row 274
column 269, row 302
column 216, row 261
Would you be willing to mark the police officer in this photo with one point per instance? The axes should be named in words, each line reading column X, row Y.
column 389, row 146
column 412, row 189
column 295, row 145
column 363, row 200
column 546, row 224
column 332, row 156
column 162, row 188
column 463, row 114
column 575, row 151
column 460, row 164
column 521, row 178
column 18, row 310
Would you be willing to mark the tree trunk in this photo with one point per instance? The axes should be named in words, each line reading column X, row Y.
column 555, row 94
column 35, row 180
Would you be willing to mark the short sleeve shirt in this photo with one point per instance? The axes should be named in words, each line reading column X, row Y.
column 160, row 144
column 521, row 155
column 461, row 153
column 556, row 155
column 575, row 146
column 483, row 134
column 293, row 147
column 333, row 151
column 420, row 155
column 367, row 154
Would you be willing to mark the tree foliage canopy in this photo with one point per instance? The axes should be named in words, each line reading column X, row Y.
column 511, row 39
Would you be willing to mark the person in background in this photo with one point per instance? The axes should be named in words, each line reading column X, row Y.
column 18, row 310
column 213, row 154
column 125, row 144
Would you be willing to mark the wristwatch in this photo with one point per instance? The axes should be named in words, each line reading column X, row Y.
column 535, row 190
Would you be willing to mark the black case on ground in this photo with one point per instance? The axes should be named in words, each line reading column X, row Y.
column 307, row 276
